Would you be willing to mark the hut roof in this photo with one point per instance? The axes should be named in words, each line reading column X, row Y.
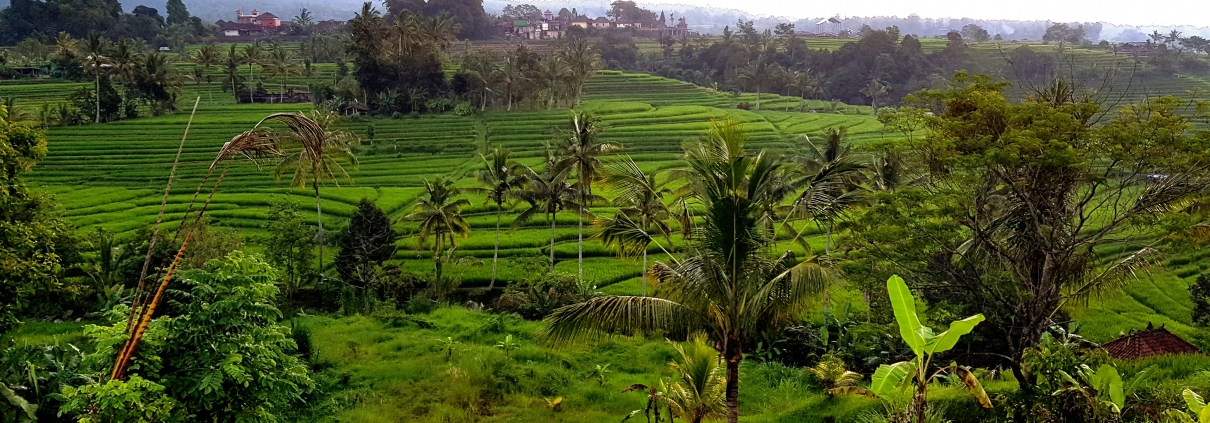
column 1147, row 343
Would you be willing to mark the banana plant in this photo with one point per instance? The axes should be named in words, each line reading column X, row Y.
column 1104, row 387
column 925, row 344
column 1197, row 407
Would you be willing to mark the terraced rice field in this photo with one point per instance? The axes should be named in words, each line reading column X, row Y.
column 112, row 176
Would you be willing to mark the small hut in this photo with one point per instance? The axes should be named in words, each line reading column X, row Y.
column 1150, row 342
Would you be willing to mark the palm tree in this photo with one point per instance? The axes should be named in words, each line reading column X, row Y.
column 407, row 32
column 125, row 58
column 805, row 82
column 552, row 73
column 251, row 55
column 758, row 74
column 304, row 21
column 725, row 286
column 578, row 151
column 583, row 62
column 481, row 70
column 206, row 57
column 441, row 31
column 828, row 179
column 874, row 91
column 281, row 64
column 440, row 216
column 642, row 213
column 158, row 82
column 95, row 62
column 511, row 76
column 231, row 65
column 1156, row 37
column 498, row 177
column 1173, row 37
column 311, row 155
column 547, row 193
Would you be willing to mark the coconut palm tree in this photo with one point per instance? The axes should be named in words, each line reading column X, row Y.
column 725, row 286
column 407, row 32
column 875, row 90
column 551, row 74
column 231, row 77
column 583, row 61
column 498, row 178
column 251, row 55
column 207, row 57
column 511, row 76
column 96, row 63
column 125, row 58
column 158, row 82
column 642, row 214
column 440, row 216
column 481, row 70
column 281, row 64
column 828, row 178
column 547, row 193
column 440, row 31
column 758, row 74
column 313, row 153
column 579, row 151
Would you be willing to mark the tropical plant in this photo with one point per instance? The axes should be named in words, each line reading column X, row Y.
column 447, row 345
column 1197, row 407
column 251, row 55
column 207, row 57
column 365, row 245
column 834, row 378
column 440, row 216
column 724, row 286
column 600, row 373
column 95, row 62
column 313, row 153
column 579, row 151
column 697, row 390
column 281, row 64
column 508, row 345
column 547, row 193
column 642, row 214
column 499, row 180
column 758, row 74
column 288, row 244
column 874, row 91
column 918, row 373
column 827, row 178
column 583, row 62
column 655, row 398
column 231, row 78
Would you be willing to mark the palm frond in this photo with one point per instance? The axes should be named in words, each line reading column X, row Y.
column 621, row 315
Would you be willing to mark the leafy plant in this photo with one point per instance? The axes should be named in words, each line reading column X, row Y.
column 1197, row 406
column 448, row 344
column 21, row 404
column 834, row 378
column 600, row 373
column 136, row 400
column 508, row 345
column 925, row 344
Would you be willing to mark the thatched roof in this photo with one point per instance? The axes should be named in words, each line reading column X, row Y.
column 1147, row 343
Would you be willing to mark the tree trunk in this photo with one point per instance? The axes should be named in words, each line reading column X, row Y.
column 251, row 87
column 580, row 239
column 496, row 249
column 644, row 270
column 98, row 72
column 437, row 258
column 758, row 98
column 283, row 90
column 734, row 356
column 552, row 243
column 483, row 101
column 319, row 236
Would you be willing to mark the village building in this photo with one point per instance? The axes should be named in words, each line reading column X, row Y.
column 252, row 24
column 1149, row 342
column 552, row 27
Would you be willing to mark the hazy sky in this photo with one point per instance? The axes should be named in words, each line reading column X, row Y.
column 1172, row 12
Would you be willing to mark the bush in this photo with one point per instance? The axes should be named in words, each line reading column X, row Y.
column 535, row 299
column 744, row 106
column 464, row 109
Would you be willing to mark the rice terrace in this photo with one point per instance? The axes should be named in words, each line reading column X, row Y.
column 472, row 211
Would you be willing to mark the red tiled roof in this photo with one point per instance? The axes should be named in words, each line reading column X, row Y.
column 1147, row 343
column 266, row 15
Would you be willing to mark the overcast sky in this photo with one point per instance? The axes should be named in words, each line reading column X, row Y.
column 1164, row 13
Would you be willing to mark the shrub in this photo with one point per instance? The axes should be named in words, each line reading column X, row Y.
column 535, row 299
column 464, row 109
column 744, row 106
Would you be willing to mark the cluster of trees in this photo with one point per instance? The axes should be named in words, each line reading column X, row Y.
column 277, row 64
column 523, row 76
column 879, row 65
column 468, row 15
column 25, row 19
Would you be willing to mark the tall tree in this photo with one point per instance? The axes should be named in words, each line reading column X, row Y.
column 1023, row 195
column 95, row 62
column 207, row 57
column 874, row 91
column 547, row 193
column 368, row 242
column 313, row 152
column 579, row 151
column 440, row 215
column 724, row 287
column 231, row 77
column 758, row 75
column 281, row 64
column 251, row 55
column 177, row 13
column 583, row 62
column 499, row 179
column 642, row 214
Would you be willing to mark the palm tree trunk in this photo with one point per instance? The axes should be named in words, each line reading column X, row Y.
column 758, row 98
column 283, row 89
column 97, row 71
column 580, row 240
column 827, row 249
column 483, row 101
column 496, row 249
column 437, row 258
column 251, row 87
column 552, row 243
column 644, row 270
column 732, row 393
column 319, row 236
